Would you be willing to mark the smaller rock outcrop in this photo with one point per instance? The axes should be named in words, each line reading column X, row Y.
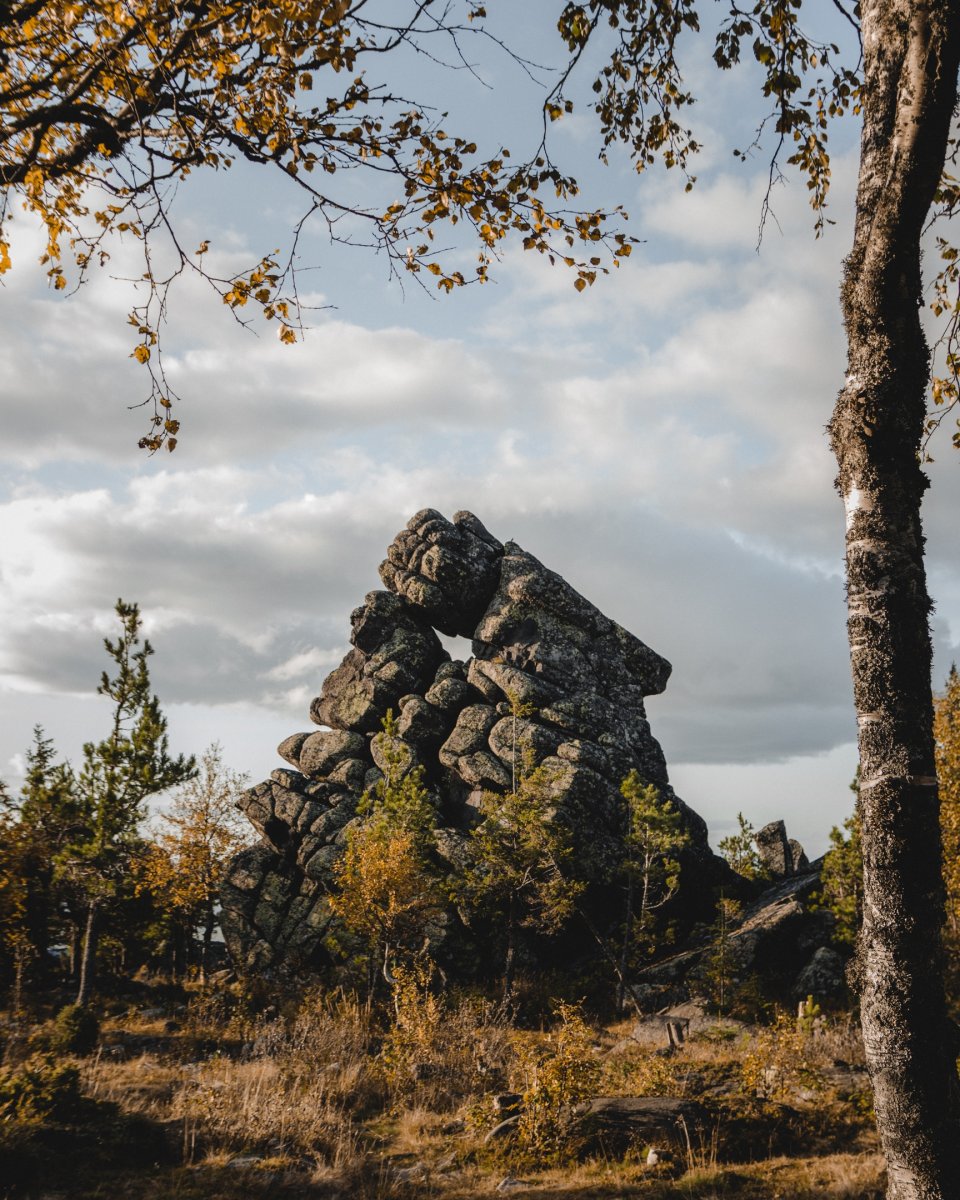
column 781, row 941
column 780, row 856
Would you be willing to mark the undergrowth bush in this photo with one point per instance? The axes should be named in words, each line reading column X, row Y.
column 341, row 1090
column 556, row 1074
column 40, row 1089
column 438, row 1056
column 783, row 1059
column 639, row 1071
column 75, row 1030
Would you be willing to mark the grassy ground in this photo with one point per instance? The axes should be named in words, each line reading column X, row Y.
column 325, row 1100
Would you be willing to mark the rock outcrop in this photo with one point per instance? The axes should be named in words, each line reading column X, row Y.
column 539, row 648
column 782, row 940
column 780, row 856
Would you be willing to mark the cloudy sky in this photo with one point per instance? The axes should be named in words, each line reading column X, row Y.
column 659, row 440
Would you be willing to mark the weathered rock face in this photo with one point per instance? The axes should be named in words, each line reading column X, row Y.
column 580, row 677
column 781, row 856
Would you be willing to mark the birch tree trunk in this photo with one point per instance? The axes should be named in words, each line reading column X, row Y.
column 911, row 53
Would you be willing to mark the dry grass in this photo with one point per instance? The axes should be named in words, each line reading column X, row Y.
column 297, row 1090
column 327, row 1101
column 836, row 1177
column 258, row 1108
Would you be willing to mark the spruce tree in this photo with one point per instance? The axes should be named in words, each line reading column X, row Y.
column 519, row 873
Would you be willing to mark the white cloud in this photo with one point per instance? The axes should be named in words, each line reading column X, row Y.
column 314, row 660
column 658, row 440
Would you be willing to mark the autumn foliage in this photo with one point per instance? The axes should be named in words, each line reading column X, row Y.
column 946, row 729
column 109, row 107
column 182, row 865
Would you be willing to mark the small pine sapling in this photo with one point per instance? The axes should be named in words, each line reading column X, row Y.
column 118, row 775
column 718, row 965
column 740, row 850
column 654, row 838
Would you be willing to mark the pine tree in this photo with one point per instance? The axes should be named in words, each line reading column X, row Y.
column 718, row 968
column 16, row 945
column 519, row 873
column 841, row 881
column 650, row 867
column 387, row 885
column 52, row 814
column 740, row 851
column 118, row 774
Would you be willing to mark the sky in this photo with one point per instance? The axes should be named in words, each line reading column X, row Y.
column 658, row 440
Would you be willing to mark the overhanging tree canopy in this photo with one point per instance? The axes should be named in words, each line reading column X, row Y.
column 108, row 105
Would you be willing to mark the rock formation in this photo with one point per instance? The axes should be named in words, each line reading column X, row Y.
column 780, row 856
column 782, row 940
column 537, row 643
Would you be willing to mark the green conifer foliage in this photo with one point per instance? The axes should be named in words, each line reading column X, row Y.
column 740, row 850
column 841, row 881
column 649, row 870
column 519, row 875
column 118, row 774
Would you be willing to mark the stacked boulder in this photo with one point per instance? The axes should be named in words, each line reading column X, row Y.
column 551, row 681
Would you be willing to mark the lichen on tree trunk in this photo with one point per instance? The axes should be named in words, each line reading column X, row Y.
column 911, row 54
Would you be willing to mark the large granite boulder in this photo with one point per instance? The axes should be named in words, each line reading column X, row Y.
column 446, row 571
column 539, row 648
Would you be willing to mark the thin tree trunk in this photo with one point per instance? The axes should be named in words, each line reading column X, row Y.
column 178, row 942
column 20, row 967
column 508, row 961
column 88, row 958
column 208, row 928
column 911, row 53
column 625, row 948
column 76, row 951
column 611, row 958
column 722, row 960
